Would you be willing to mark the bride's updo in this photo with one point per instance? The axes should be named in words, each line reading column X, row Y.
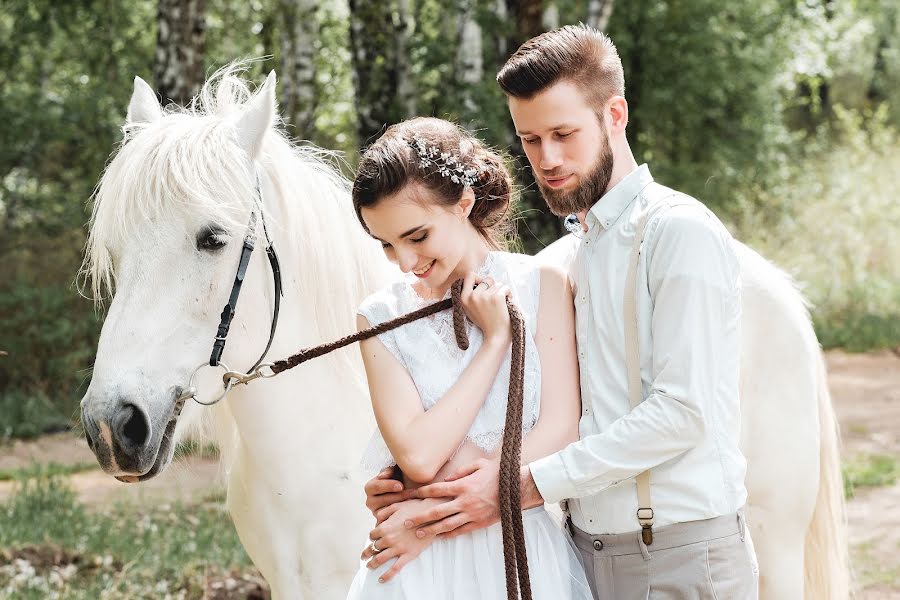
column 444, row 159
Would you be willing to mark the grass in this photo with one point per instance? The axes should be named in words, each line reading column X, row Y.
column 870, row 570
column 45, row 470
column 871, row 470
column 51, row 547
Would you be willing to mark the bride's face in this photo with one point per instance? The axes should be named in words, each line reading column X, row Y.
column 420, row 236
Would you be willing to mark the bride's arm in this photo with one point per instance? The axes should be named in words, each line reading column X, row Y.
column 557, row 425
column 422, row 441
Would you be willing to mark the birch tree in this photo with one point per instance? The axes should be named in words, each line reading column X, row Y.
column 180, row 48
column 299, row 35
column 599, row 12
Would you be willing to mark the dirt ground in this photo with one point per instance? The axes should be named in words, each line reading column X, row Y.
column 866, row 393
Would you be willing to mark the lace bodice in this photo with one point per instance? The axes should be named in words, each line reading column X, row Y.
column 427, row 349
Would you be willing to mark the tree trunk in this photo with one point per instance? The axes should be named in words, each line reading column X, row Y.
column 180, row 48
column 404, row 25
column 599, row 12
column 299, row 33
column 469, row 58
column 386, row 93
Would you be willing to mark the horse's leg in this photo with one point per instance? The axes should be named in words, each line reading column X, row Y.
column 294, row 494
column 263, row 532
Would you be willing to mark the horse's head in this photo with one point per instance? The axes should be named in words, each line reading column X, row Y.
column 170, row 216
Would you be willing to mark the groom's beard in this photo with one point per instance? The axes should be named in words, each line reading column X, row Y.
column 593, row 185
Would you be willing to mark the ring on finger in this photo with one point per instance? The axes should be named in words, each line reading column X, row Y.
column 375, row 549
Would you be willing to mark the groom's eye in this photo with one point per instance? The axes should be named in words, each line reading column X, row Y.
column 531, row 140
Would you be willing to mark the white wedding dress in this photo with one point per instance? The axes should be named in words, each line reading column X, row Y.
column 471, row 565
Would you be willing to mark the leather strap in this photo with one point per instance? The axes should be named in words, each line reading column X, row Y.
column 228, row 310
column 633, row 356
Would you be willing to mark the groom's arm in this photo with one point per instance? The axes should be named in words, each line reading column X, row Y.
column 694, row 283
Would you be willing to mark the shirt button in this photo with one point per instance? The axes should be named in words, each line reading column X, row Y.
column 598, row 545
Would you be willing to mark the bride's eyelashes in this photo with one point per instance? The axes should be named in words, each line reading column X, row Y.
column 420, row 239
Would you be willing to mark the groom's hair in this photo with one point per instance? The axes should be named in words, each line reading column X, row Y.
column 576, row 53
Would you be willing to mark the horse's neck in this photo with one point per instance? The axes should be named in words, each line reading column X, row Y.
column 293, row 413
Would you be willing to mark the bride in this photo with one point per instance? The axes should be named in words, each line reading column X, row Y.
column 437, row 199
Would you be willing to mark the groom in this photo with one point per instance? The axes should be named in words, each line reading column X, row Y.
column 654, row 489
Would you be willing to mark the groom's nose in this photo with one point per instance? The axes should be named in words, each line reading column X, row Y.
column 551, row 156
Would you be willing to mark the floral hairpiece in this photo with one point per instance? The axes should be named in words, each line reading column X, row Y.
column 448, row 165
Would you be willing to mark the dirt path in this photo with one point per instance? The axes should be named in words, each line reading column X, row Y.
column 865, row 389
column 866, row 393
column 186, row 480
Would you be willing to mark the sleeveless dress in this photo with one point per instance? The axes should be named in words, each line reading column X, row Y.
column 471, row 565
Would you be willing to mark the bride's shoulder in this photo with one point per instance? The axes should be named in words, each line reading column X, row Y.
column 384, row 303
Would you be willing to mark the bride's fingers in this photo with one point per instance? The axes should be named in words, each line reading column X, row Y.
column 382, row 557
column 395, row 568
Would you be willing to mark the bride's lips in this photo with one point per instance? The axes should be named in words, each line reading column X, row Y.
column 556, row 182
column 426, row 273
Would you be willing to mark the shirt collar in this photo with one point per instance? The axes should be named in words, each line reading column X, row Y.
column 613, row 203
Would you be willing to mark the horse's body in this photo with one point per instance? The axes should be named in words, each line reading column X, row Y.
column 291, row 444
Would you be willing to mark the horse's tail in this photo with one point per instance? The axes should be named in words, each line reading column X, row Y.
column 826, row 563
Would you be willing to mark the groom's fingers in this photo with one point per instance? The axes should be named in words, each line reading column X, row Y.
column 463, row 472
column 470, row 526
column 382, row 514
column 436, row 513
column 446, row 489
column 444, row 526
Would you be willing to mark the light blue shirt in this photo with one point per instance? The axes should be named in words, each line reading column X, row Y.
column 687, row 429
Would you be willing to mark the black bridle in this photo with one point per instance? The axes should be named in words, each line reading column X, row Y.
column 231, row 306
column 230, row 378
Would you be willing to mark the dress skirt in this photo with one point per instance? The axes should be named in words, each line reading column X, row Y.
column 471, row 566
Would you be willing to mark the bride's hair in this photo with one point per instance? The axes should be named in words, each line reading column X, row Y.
column 444, row 159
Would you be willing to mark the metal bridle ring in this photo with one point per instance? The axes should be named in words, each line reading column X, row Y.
column 226, row 385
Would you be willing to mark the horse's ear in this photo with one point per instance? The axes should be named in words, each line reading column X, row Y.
column 144, row 106
column 256, row 119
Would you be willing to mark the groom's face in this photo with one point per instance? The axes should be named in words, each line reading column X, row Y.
column 567, row 145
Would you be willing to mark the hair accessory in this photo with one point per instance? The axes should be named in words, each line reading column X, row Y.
column 446, row 164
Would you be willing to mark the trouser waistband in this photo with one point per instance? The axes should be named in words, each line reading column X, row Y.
column 669, row 536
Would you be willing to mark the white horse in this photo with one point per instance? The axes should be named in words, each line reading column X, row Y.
column 169, row 217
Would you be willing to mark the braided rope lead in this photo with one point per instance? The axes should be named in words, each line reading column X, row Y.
column 514, row 554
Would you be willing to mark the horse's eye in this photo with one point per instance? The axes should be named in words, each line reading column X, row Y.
column 212, row 238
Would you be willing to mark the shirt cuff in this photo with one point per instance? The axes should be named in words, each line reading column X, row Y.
column 552, row 479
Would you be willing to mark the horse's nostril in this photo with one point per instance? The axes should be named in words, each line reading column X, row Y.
column 135, row 428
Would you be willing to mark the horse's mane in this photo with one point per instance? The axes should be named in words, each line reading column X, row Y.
column 188, row 162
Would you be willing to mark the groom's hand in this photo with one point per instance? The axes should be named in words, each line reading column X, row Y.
column 475, row 503
column 383, row 491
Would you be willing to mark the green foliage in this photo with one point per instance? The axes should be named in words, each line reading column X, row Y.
column 874, row 470
column 836, row 229
column 127, row 553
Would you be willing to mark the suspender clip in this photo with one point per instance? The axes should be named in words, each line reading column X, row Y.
column 645, row 517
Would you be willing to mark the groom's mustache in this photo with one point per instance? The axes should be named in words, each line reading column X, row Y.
column 551, row 174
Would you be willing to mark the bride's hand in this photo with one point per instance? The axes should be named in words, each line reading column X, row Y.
column 393, row 540
column 484, row 301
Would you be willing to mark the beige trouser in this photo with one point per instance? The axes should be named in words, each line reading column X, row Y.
column 699, row 560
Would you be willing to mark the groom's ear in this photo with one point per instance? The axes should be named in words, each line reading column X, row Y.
column 618, row 114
